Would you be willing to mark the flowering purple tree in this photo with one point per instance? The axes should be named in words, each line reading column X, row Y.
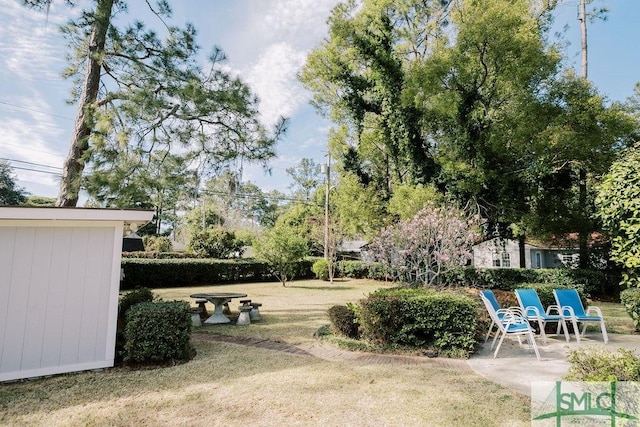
column 418, row 250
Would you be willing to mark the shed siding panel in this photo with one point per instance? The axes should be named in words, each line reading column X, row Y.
column 7, row 238
column 73, row 293
column 56, row 297
column 15, row 328
column 37, row 298
column 94, row 310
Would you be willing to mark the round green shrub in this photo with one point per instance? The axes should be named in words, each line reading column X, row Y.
column 157, row 244
column 420, row 318
column 343, row 321
column 215, row 242
column 158, row 332
column 321, row 269
column 630, row 298
column 134, row 297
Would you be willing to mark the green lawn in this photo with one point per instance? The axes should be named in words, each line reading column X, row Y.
column 234, row 384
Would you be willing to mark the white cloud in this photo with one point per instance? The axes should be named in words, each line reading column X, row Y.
column 273, row 78
column 31, row 47
column 302, row 21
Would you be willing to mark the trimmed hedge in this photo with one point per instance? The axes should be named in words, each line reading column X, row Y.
column 158, row 332
column 508, row 279
column 170, row 273
column 420, row 318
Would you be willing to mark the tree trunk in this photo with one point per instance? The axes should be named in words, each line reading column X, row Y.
column 582, row 184
column 75, row 161
column 584, row 219
column 521, row 251
column 583, row 27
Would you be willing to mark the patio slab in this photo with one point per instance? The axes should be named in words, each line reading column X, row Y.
column 516, row 367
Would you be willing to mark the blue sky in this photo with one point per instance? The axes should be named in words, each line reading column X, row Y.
column 266, row 42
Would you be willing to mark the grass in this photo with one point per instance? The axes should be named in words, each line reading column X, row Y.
column 233, row 384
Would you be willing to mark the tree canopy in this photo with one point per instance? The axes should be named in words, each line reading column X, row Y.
column 138, row 93
column 10, row 193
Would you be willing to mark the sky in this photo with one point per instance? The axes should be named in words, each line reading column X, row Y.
column 266, row 43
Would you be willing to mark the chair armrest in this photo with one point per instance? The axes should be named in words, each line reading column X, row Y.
column 555, row 308
column 530, row 309
column 567, row 308
column 516, row 311
column 596, row 309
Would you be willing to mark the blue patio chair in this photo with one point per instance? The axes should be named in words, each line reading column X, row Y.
column 490, row 296
column 533, row 310
column 573, row 310
column 511, row 323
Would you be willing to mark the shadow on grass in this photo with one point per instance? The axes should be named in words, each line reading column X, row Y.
column 324, row 288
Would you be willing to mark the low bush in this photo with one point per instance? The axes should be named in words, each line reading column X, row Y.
column 157, row 244
column 630, row 298
column 134, row 297
column 599, row 364
column 158, row 332
column 343, row 321
column 216, row 242
column 420, row 318
column 321, row 269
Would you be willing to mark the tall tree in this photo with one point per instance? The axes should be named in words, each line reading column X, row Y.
column 582, row 137
column 305, row 177
column 480, row 89
column 10, row 193
column 357, row 77
column 140, row 90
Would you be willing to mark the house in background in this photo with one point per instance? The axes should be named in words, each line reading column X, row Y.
column 505, row 253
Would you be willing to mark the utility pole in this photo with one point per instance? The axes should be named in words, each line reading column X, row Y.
column 582, row 17
column 326, row 168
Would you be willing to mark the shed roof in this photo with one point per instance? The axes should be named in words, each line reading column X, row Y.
column 129, row 216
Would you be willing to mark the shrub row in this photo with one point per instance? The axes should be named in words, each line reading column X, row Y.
column 420, row 318
column 593, row 281
column 168, row 273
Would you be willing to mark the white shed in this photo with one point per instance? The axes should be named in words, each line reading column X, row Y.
column 59, row 284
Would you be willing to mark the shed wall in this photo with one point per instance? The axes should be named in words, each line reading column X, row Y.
column 59, row 284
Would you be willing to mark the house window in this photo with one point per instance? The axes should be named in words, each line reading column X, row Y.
column 538, row 260
column 502, row 259
column 506, row 260
column 569, row 260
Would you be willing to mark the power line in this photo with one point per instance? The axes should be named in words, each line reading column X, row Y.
column 34, row 110
column 37, row 170
column 30, row 163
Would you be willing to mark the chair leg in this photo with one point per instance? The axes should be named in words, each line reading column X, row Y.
column 499, row 344
column 541, row 325
column 576, row 330
column 563, row 325
column 533, row 343
column 604, row 332
column 495, row 337
column 489, row 331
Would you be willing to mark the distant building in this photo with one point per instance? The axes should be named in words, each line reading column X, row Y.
column 505, row 253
